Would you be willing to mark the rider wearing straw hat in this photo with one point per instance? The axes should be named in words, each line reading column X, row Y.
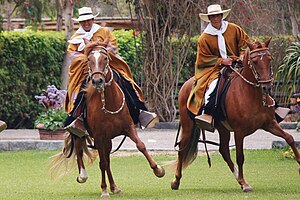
column 220, row 44
column 93, row 34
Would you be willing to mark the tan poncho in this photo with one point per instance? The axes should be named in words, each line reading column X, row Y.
column 78, row 69
column 208, row 59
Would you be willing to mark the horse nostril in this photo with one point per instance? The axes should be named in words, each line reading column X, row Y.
column 97, row 82
column 266, row 89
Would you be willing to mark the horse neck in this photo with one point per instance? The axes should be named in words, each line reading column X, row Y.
column 247, row 72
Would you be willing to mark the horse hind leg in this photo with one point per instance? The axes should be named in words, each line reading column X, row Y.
column 83, row 176
column 178, row 173
column 188, row 149
column 157, row 169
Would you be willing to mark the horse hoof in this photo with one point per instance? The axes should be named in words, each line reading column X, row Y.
column 81, row 180
column 247, row 189
column 159, row 171
column 174, row 185
column 105, row 195
column 117, row 191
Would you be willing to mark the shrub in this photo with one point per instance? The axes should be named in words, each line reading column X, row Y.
column 29, row 61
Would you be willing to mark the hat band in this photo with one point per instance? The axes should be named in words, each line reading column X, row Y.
column 85, row 14
column 214, row 11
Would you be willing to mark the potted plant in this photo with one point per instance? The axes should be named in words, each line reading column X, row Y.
column 50, row 123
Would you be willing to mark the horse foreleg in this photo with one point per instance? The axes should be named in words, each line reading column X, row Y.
column 275, row 129
column 83, row 176
column 113, row 187
column 103, row 167
column 225, row 151
column 157, row 169
column 239, row 141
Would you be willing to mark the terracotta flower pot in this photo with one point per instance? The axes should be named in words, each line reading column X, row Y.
column 59, row 134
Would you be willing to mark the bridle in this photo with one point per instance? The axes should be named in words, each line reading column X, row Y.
column 254, row 71
column 258, row 52
column 107, row 68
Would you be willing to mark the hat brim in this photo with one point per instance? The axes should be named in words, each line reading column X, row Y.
column 205, row 18
column 85, row 17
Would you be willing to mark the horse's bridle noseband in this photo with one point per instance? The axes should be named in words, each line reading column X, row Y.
column 103, row 74
column 106, row 68
column 254, row 71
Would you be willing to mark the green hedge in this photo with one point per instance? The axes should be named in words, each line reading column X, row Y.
column 30, row 61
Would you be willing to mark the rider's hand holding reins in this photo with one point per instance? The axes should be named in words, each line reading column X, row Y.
column 227, row 61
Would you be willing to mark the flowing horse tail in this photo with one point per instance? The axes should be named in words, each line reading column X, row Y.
column 65, row 162
column 188, row 151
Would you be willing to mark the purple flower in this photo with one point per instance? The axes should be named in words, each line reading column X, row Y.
column 52, row 98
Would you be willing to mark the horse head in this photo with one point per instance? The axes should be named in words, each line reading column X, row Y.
column 98, row 64
column 259, row 60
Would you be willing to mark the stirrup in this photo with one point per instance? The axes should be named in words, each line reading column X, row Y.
column 77, row 127
column 205, row 122
column 148, row 119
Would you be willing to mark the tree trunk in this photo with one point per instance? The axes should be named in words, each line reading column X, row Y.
column 292, row 15
column 69, row 28
column 59, row 15
column 168, row 28
column 69, row 25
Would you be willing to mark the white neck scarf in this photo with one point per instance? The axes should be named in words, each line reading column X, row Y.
column 84, row 34
column 221, row 41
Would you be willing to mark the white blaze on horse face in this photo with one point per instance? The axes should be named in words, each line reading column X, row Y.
column 96, row 56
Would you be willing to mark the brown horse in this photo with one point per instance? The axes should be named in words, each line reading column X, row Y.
column 248, row 108
column 107, row 117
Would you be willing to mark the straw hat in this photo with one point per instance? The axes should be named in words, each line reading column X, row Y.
column 214, row 10
column 85, row 13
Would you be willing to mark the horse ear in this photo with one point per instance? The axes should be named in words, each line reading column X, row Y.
column 267, row 42
column 87, row 49
column 246, row 58
column 249, row 44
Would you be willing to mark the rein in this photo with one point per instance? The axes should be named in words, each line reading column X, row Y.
column 101, row 90
column 256, row 75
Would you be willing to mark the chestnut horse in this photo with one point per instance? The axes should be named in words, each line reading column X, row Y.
column 248, row 108
column 107, row 117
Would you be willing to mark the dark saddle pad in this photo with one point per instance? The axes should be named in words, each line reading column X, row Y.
column 224, row 82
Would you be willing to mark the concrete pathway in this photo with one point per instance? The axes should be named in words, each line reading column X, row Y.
column 154, row 139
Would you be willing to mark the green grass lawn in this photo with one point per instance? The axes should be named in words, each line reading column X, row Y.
column 24, row 175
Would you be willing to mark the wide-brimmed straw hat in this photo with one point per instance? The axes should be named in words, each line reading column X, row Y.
column 85, row 13
column 214, row 10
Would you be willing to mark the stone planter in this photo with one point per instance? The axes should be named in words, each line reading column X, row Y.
column 59, row 134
